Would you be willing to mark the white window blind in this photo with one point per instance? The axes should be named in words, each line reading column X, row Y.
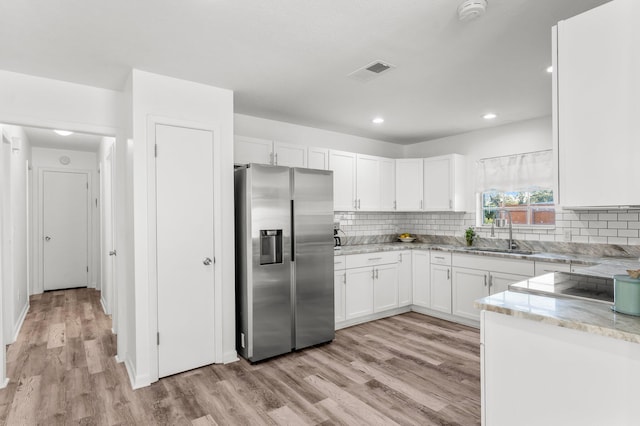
column 519, row 172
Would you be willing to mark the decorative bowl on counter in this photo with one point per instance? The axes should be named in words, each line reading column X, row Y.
column 406, row 238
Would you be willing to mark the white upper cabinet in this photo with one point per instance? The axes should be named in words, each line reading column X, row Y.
column 252, row 150
column 343, row 165
column 387, row 184
column 375, row 183
column 444, row 179
column 367, row 182
column 409, row 184
column 290, row 155
column 597, row 106
column 318, row 158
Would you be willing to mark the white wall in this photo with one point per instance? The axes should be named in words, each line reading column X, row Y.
column 519, row 137
column 246, row 125
column 46, row 158
column 16, row 284
column 163, row 98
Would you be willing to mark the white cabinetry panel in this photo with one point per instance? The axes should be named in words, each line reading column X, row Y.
column 405, row 279
column 252, row 150
column 318, row 158
column 359, row 292
column 598, row 104
column 409, row 184
column 444, row 183
column 290, row 155
column 421, row 278
column 343, row 165
column 385, row 288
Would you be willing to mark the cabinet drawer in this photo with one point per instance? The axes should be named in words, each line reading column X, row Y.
column 371, row 259
column 494, row 264
column 338, row 263
column 440, row 258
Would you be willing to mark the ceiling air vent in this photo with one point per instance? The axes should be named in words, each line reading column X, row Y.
column 371, row 71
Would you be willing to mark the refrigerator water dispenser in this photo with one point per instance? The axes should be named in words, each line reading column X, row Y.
column 270, row 246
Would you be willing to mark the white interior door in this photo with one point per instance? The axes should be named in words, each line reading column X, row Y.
column 108, row 284
column 184, row 197
column 65, row 229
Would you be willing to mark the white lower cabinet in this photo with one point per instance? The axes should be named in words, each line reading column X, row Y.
column 421, row 278
column 440, row 288
column 405, row 278
column 359, row 292
column 340, row 284
column 385, row 287
column 475, row 277
column 468, row 285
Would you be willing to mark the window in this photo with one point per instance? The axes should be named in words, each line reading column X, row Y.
column 526, row 207
column 517, row 186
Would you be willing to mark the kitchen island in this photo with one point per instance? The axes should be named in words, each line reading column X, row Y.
column 549, row 360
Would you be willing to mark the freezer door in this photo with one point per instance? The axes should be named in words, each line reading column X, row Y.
column 270, row 307
column 313, row 256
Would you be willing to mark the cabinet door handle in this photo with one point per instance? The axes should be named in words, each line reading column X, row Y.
column 485, row 280
column 395, row 205
column 344, row 279
column 271, row 158
column 371, row 259
column 358, row 203
column 373, row 274
column 490, row 280
column 355, row 204
column 276, row 159
column 377, row 273
column 400, row 258
column 448, row 274
column 450, row 201
column 420, row 204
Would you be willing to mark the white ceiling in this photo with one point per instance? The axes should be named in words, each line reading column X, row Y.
column 288, row 59
column 46, row 138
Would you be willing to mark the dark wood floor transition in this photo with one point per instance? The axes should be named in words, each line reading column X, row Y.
column 409, row 369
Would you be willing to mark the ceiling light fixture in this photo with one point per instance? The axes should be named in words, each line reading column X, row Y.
column 378, row 120
column 550, row 69
column 63, row 132
column 489, row 116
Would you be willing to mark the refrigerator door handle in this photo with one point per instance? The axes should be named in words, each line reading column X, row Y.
column 293, row 238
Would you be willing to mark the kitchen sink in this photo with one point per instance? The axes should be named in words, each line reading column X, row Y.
column 498, row 250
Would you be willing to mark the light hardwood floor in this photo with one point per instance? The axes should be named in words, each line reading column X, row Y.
column 409, row 369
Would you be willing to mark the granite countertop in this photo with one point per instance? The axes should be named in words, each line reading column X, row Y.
column 597, row 266
column 584, row 315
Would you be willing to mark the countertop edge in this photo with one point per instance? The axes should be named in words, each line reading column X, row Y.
column 489, row 305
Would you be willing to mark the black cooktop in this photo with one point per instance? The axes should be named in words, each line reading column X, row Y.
column 564, row 284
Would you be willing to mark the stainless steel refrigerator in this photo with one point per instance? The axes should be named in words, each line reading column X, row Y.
column 284, row 259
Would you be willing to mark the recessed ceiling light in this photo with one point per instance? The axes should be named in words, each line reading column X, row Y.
column 489, row 116
column 63, row 132
column 550, row 69
column 378, row 120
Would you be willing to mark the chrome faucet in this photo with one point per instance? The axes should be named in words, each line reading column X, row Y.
column 512, row 245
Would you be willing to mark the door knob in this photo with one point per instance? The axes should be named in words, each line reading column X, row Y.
column 207, row 261
column 112, row 253
column 47, row 238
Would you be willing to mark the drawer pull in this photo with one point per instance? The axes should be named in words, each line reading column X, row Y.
column 374, row 258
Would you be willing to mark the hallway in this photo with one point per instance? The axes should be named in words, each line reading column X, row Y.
column 62, row 366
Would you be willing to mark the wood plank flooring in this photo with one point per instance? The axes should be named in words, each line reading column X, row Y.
column 410, row 369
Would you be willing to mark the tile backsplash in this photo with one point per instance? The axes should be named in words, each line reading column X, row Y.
column 609, row 227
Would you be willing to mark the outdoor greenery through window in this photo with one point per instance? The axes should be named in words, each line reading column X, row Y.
column 526, row 207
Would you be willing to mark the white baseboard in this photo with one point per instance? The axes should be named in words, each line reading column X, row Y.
column 118, row 360
column 447, row 317
column 137, row 381
column 229, row 357
column 104, row 306
column 373, row 317
column 16, row 330
column 4, row 383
